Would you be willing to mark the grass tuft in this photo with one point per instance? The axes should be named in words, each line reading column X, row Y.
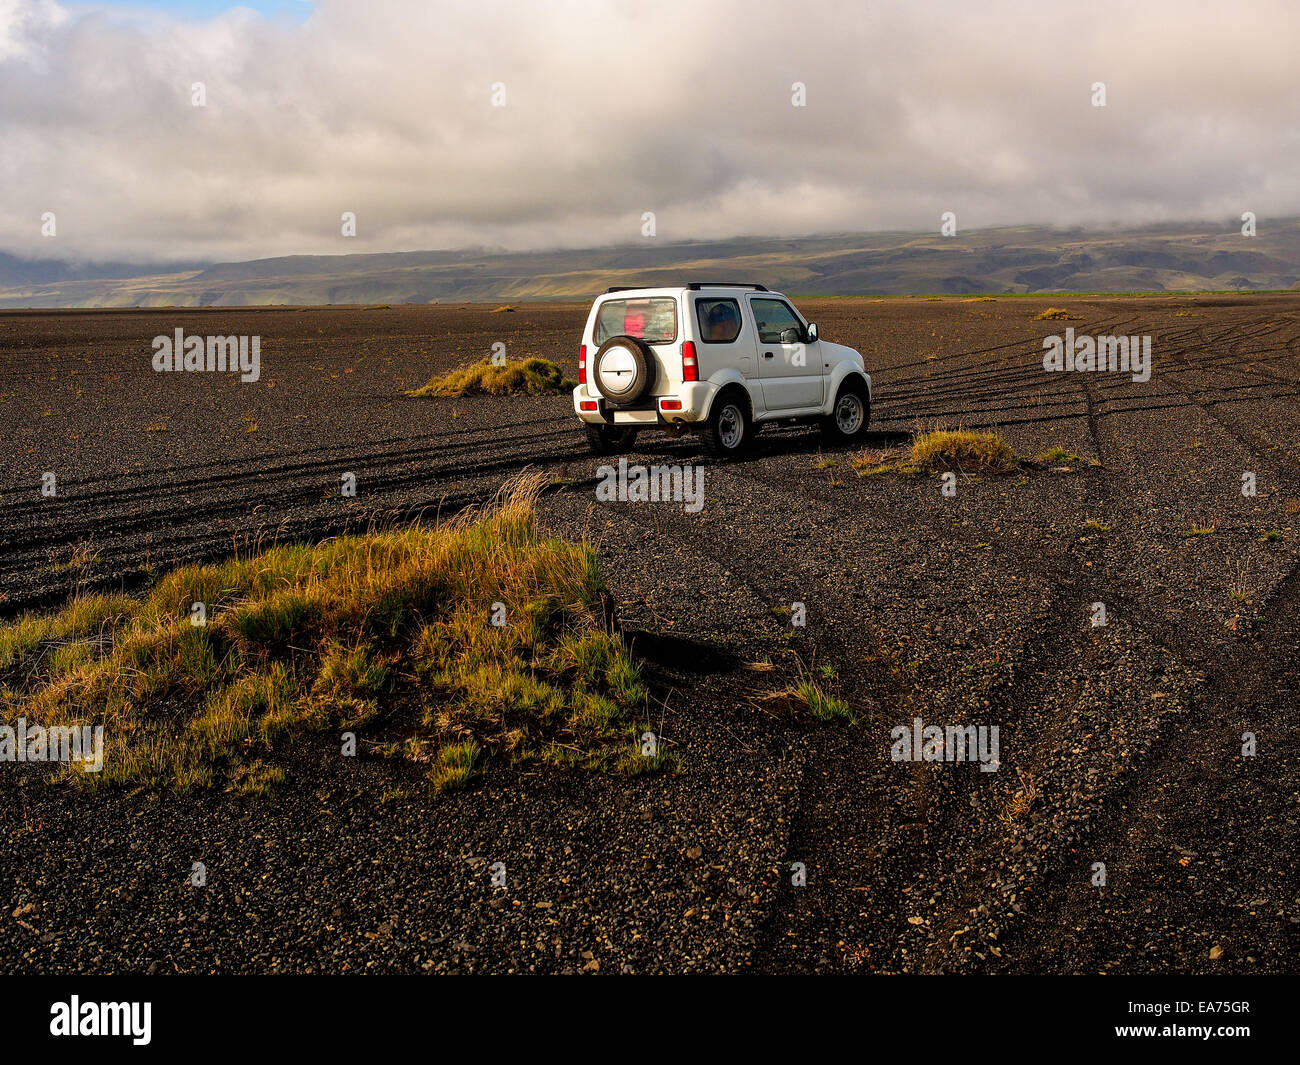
column 454, row 766
column 822, row 706
column 960, row 449
column 306, row 637
column 809, row 696
column 520, row 376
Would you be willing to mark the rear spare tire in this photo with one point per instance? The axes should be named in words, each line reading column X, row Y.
column 624, row 370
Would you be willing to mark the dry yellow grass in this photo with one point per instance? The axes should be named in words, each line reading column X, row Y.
column 1054, row 313
column 962, row 449
column 529, row 376
column 872, row 462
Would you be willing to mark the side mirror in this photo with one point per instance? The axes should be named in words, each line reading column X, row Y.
column 812, row 332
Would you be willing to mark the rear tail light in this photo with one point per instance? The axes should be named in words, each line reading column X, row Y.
column 690, row 368
column 582, row 365
column 587, row 404
column 671, row 404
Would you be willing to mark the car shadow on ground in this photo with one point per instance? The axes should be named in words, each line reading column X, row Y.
column 772, row 442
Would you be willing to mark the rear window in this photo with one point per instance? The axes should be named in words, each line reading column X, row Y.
column 652, row 320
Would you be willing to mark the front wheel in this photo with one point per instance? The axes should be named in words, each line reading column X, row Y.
column 850, row 415
column 607, row 440
column 727, row 430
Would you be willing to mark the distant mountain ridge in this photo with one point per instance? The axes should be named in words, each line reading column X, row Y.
column 1003, row 260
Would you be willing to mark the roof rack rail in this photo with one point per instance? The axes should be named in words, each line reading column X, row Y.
column 694, row 286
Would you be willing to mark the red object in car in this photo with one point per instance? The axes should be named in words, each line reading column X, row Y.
column 582, row 365
column 671, row 404
column 587, row 404
column 690, row 367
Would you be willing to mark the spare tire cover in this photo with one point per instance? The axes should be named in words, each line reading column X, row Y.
column 624, row 370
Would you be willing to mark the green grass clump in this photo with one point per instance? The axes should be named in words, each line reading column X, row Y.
column 822, row 706
column 960, row 449
column 808, row 695
column 310, row 636
column 634, row 763
column 454, row 766
column 520, row 376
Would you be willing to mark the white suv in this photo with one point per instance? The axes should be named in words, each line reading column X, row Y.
column 717, row 359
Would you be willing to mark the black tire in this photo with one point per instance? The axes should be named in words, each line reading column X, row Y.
column 728, row 429
column 609, row 440
column 630, row 375
column 842, row 426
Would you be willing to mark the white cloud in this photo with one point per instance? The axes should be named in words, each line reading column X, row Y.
column 383, row 108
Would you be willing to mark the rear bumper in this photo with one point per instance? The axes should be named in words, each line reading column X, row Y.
column 694, row 397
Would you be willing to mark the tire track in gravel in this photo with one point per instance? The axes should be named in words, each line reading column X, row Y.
column 1249, row 436
column 836, row 626
column 1154, row 624
column 963, row 797
column 957, row 382
column 242, row 507
column 1037, row 721
column 256, row 468
column 1127, row 811
column 1064, row 622
column 910, row 844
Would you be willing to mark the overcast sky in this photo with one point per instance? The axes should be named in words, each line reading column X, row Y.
column 613, row 109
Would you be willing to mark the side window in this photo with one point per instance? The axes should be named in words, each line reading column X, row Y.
column 719, row 320
column 774, row 319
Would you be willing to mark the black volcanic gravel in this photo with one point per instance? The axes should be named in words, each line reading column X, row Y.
column 973, row 609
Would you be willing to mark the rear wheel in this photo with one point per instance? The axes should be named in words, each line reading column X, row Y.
column 727, row 430
column 850, row 415
column 608, row 439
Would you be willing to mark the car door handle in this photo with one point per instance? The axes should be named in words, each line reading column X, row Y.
column 767, row 355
